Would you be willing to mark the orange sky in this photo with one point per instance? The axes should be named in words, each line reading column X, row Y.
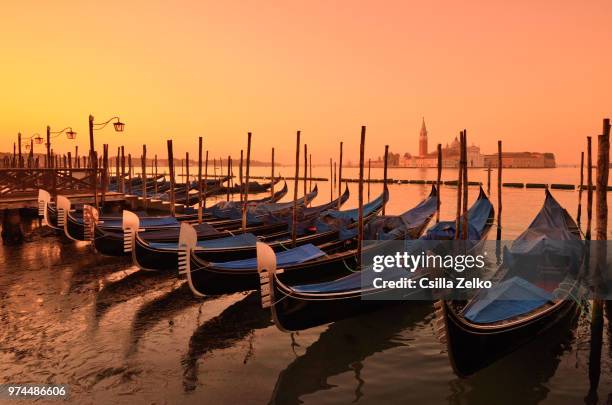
column 536, row 74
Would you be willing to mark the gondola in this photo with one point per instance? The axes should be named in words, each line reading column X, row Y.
column 300, row 306
column 150, row 252
column 332, row 257
column 254, row 187
column 535, row 289
column 76, row 227
column 113, row 238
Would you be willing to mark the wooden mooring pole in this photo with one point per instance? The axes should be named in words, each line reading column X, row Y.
column 439, row 182
column 272, row 176
column 587, row 234
column 246, row 185
column 340, row 176
column 360, row 196
column 187, row 179
column 464, row 232
column 385, row 165
column 600, row 267
column 172, row 180
column 331, row 180
column 200, row 195
column 305, row 173
column 144, row 176
column 580, row 189
column 459, row 188
column 499, row 189
column 295, row 188
column 369, row 176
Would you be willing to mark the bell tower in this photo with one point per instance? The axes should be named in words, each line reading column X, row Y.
column 423, row 140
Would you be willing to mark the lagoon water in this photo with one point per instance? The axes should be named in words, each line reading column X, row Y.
column 118, row 335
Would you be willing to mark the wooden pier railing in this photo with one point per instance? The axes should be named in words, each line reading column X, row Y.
column 23, row 181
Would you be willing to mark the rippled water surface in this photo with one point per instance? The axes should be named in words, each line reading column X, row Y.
column 119, row 335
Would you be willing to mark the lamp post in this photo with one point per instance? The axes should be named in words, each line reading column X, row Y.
column 119, row 126
column 70, row 134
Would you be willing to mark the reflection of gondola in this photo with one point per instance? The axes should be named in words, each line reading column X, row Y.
column 501, row 319
column 231, row 326
column 525, row 373
column 160, row 308
column 300, row 306
column 152, row 253
column 133, row 285
column 343, row 345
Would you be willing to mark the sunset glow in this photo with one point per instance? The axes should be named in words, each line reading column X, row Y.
column 537, row 75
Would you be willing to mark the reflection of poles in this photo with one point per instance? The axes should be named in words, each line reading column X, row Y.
column 601, row 230
column 580, row 189
column 438, row 183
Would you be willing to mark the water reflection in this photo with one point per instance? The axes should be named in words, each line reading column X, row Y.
column 159, row 309
column 524, row 373
column 132, row 285
column 344, row 346
column 235, row 323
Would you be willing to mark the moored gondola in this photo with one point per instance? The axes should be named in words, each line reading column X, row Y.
column 150, row 252
column 300, row 306
column 330, row 258
column 535, row 290
column 112, row 238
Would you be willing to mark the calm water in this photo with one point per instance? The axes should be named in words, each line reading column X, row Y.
column 69, row 315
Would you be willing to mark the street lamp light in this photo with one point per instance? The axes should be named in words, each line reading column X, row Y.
column 119, row 126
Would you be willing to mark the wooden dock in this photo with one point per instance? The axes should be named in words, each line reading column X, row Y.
column 30, row 200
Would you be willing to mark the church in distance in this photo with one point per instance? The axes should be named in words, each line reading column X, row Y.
column 450, row 157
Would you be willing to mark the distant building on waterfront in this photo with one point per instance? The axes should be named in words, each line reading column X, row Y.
column 522, row 160
column 450, row 156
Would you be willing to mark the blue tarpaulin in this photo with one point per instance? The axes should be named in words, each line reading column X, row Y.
column 238, row 241
column 506, row 300
column 296, row 255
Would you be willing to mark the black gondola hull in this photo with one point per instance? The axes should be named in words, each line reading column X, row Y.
column 473, row 348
